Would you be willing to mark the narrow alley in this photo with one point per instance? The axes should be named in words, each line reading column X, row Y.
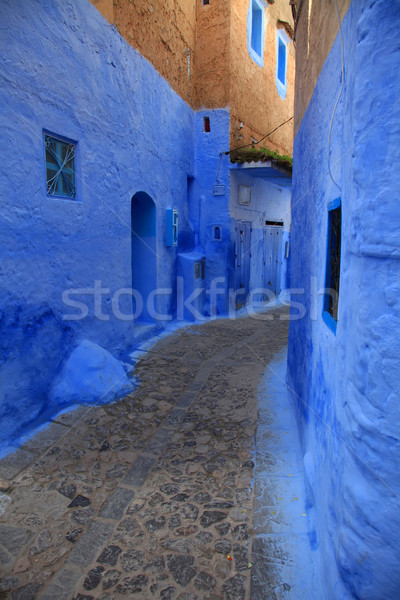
column 153, row 496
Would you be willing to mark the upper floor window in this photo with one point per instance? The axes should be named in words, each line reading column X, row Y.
column 282, row 40
column 60, row 167
column 256, row 30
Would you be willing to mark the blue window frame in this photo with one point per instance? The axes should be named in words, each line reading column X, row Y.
column 256, row 27
column 256, row 30
column 281, row 61
column 282, row 40
column 60, row 167
column 332, row 274
column 172, row 226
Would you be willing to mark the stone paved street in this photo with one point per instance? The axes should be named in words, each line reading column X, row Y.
column 150, row 497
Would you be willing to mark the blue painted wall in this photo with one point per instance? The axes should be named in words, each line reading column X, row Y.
column 207, row 209
column 68, row 265
column 347, row 385
column 66, row 70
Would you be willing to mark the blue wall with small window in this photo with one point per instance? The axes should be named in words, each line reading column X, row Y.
column 346, row 385
column 118, row 139
column 60, row 167
column 209, row 204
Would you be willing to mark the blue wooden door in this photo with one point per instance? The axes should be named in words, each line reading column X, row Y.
column 273, row 237
column 242, row 262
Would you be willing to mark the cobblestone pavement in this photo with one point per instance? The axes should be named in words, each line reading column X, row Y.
column 150, row 497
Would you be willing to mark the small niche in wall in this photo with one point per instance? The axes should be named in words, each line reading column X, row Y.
column 207, row 126
column 274, row 223
column 216, row 233
column 244, row 195
column 205, row 2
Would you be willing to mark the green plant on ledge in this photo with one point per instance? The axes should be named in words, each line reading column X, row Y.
column 243, row 155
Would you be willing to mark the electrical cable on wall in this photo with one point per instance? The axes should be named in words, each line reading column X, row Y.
column 263, row 138
column 337, row 100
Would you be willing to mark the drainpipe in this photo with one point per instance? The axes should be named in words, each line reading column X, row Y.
column 202, row 223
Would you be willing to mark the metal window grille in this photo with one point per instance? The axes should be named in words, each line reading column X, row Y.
column 60, row 167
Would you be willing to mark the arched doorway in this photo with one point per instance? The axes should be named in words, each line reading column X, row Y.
column 144, row 265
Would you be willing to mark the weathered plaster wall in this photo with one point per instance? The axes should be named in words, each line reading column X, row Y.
column 163, row 32
column 106, row 8
column 212, row 168
column 65, row 69
column 212, row 54
column 347, row 384
column 254, row 98
column 222, row 73
column 317, row 28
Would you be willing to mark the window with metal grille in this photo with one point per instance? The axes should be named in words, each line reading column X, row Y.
column 332, row 277
column 60, row 167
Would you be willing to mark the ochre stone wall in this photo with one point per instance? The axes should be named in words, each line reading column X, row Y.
column 163, row 32
column 106, row 8
column 254, row 98
column 222, row 73
column 212, row 55
column 317, row 28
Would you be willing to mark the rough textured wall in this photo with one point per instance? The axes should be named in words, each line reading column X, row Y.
column 316, row 31
column 254, row 98
column 106, row 7
column 212, row 168
column 163, row 32
column 63, row 68
column 347, row 384
column 222, row 73
column 212, row 55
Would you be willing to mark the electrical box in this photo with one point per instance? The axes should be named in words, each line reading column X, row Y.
column 171, row 223
column 218, row 190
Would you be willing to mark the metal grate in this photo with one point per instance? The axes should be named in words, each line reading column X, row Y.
column 60, row 167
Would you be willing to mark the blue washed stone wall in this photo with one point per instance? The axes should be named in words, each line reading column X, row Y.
column 347, row 385
column 212, row 168
column 66, row 70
